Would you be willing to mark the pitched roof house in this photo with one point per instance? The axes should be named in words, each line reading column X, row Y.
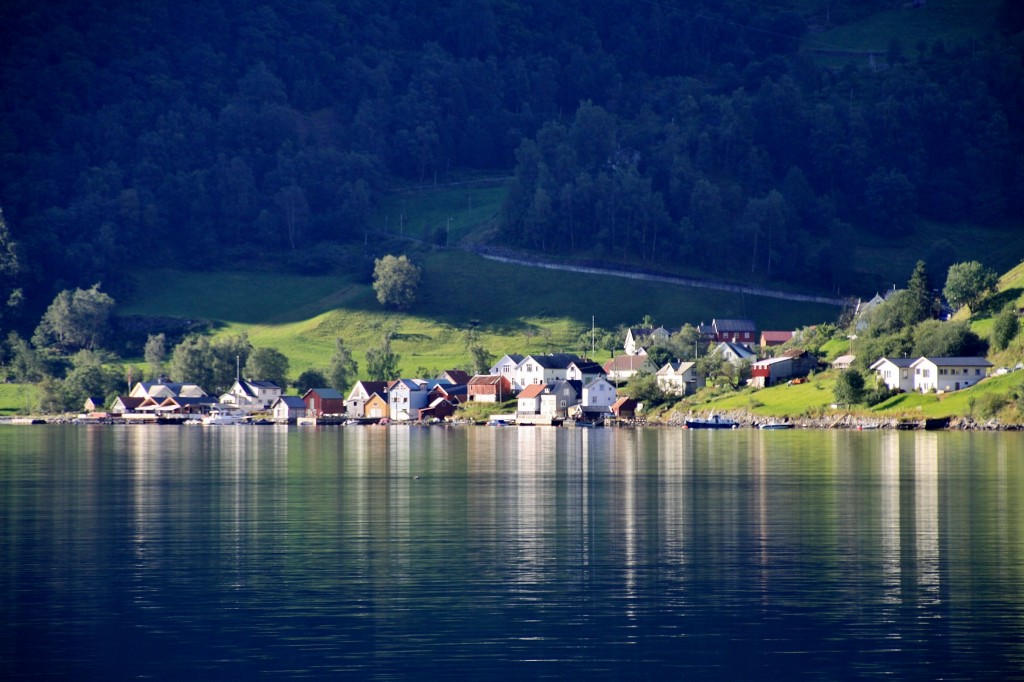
column 680, row 378
column 251, row 396
column 506, row 367
column 598, row 393
column 895, row 373
column 948, row 374
column 322, row 401
column 624, row 367
column 163, row 389
column 355, row 403
column 528, row 400
column 737, row 331
column 544, row 369
column 735, row 352
column 489, row 388
column 288, row 408
column 639, row 337
column 584, row 370
column 559, row 396
column 774, row 338
column 791, row 365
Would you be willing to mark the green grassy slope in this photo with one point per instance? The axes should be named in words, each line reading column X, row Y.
column 951, row 21
column 512, row 309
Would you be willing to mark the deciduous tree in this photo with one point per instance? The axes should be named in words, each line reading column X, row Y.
column 267, row 364
column 344, row 367
column 396, row 281
column 967, row 283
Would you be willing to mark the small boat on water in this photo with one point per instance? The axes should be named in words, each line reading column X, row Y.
column 224, row 417
column 775, row 426
column 712, row 422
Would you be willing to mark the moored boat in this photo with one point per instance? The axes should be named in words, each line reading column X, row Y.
column 223, row 417
column 712, row 422
column 775, row 426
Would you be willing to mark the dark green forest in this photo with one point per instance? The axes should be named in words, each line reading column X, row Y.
column 220, row 133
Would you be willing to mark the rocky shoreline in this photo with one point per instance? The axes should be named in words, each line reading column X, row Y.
column 857, row 422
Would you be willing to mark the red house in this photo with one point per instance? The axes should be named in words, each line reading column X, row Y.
column 321, row 401
column 734, row 331
column 489, row 388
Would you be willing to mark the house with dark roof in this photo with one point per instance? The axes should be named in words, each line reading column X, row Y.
column 948, row 374
column 288, row 408
column 355, row 403
column 895, row 373
column 323, row 401
column 544, row 369
column 735, row 352
column 736, row 331
column 584, row 370
column 558, row 397
column 251, row 396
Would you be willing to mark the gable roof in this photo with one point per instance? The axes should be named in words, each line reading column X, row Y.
column 776, row 337
column 486, row 380
column 532, row 391
column 898, row 362
column 723, row 326
column 737, row 349
column 554, row 360
column 675, row 368
column 457, row 376
column 369, row 387
column 292, row 401
column 325, row 393
column 626, row 363
column 954, row 362
column 587, row 366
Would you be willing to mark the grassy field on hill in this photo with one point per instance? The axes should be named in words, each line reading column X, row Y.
column 951, row 21
column 511, row 309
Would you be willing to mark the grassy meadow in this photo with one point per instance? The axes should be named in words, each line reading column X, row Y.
column 509, row 309
column 951, row 21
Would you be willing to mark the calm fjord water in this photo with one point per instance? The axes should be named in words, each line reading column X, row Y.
column 509, row 553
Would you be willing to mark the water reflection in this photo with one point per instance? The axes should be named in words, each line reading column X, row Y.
column 382, row 552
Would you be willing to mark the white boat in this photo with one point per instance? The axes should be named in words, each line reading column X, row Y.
column 221, row 417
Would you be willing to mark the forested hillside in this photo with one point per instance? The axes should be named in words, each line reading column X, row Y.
column 215, row 133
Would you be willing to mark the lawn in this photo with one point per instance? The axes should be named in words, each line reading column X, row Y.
column 17, row 399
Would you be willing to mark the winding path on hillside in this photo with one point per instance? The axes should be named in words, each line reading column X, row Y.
column 518, row 259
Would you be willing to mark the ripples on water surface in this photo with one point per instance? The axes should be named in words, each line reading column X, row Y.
column 517, row 553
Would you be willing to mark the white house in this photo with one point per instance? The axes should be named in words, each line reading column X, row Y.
column 895, row 373
column 288, row 408
column 544, row 369
column 598, row 393
column 166, row 389
column 735, row 353
column 559, row 397
column 584, row 370
column 528, row 400
column 251, row 396
column 948, row 374
column 637, row 338
column 680, row 378
column 406, row 398
column 355, row 403
column 506, row 367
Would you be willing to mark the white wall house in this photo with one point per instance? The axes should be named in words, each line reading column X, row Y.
column 251, row 396
column 584, row 370
column 680, row 378
column 544, row 369
column 599, row 393
column 948, row 374
column 506, row 367
column 895, row 373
